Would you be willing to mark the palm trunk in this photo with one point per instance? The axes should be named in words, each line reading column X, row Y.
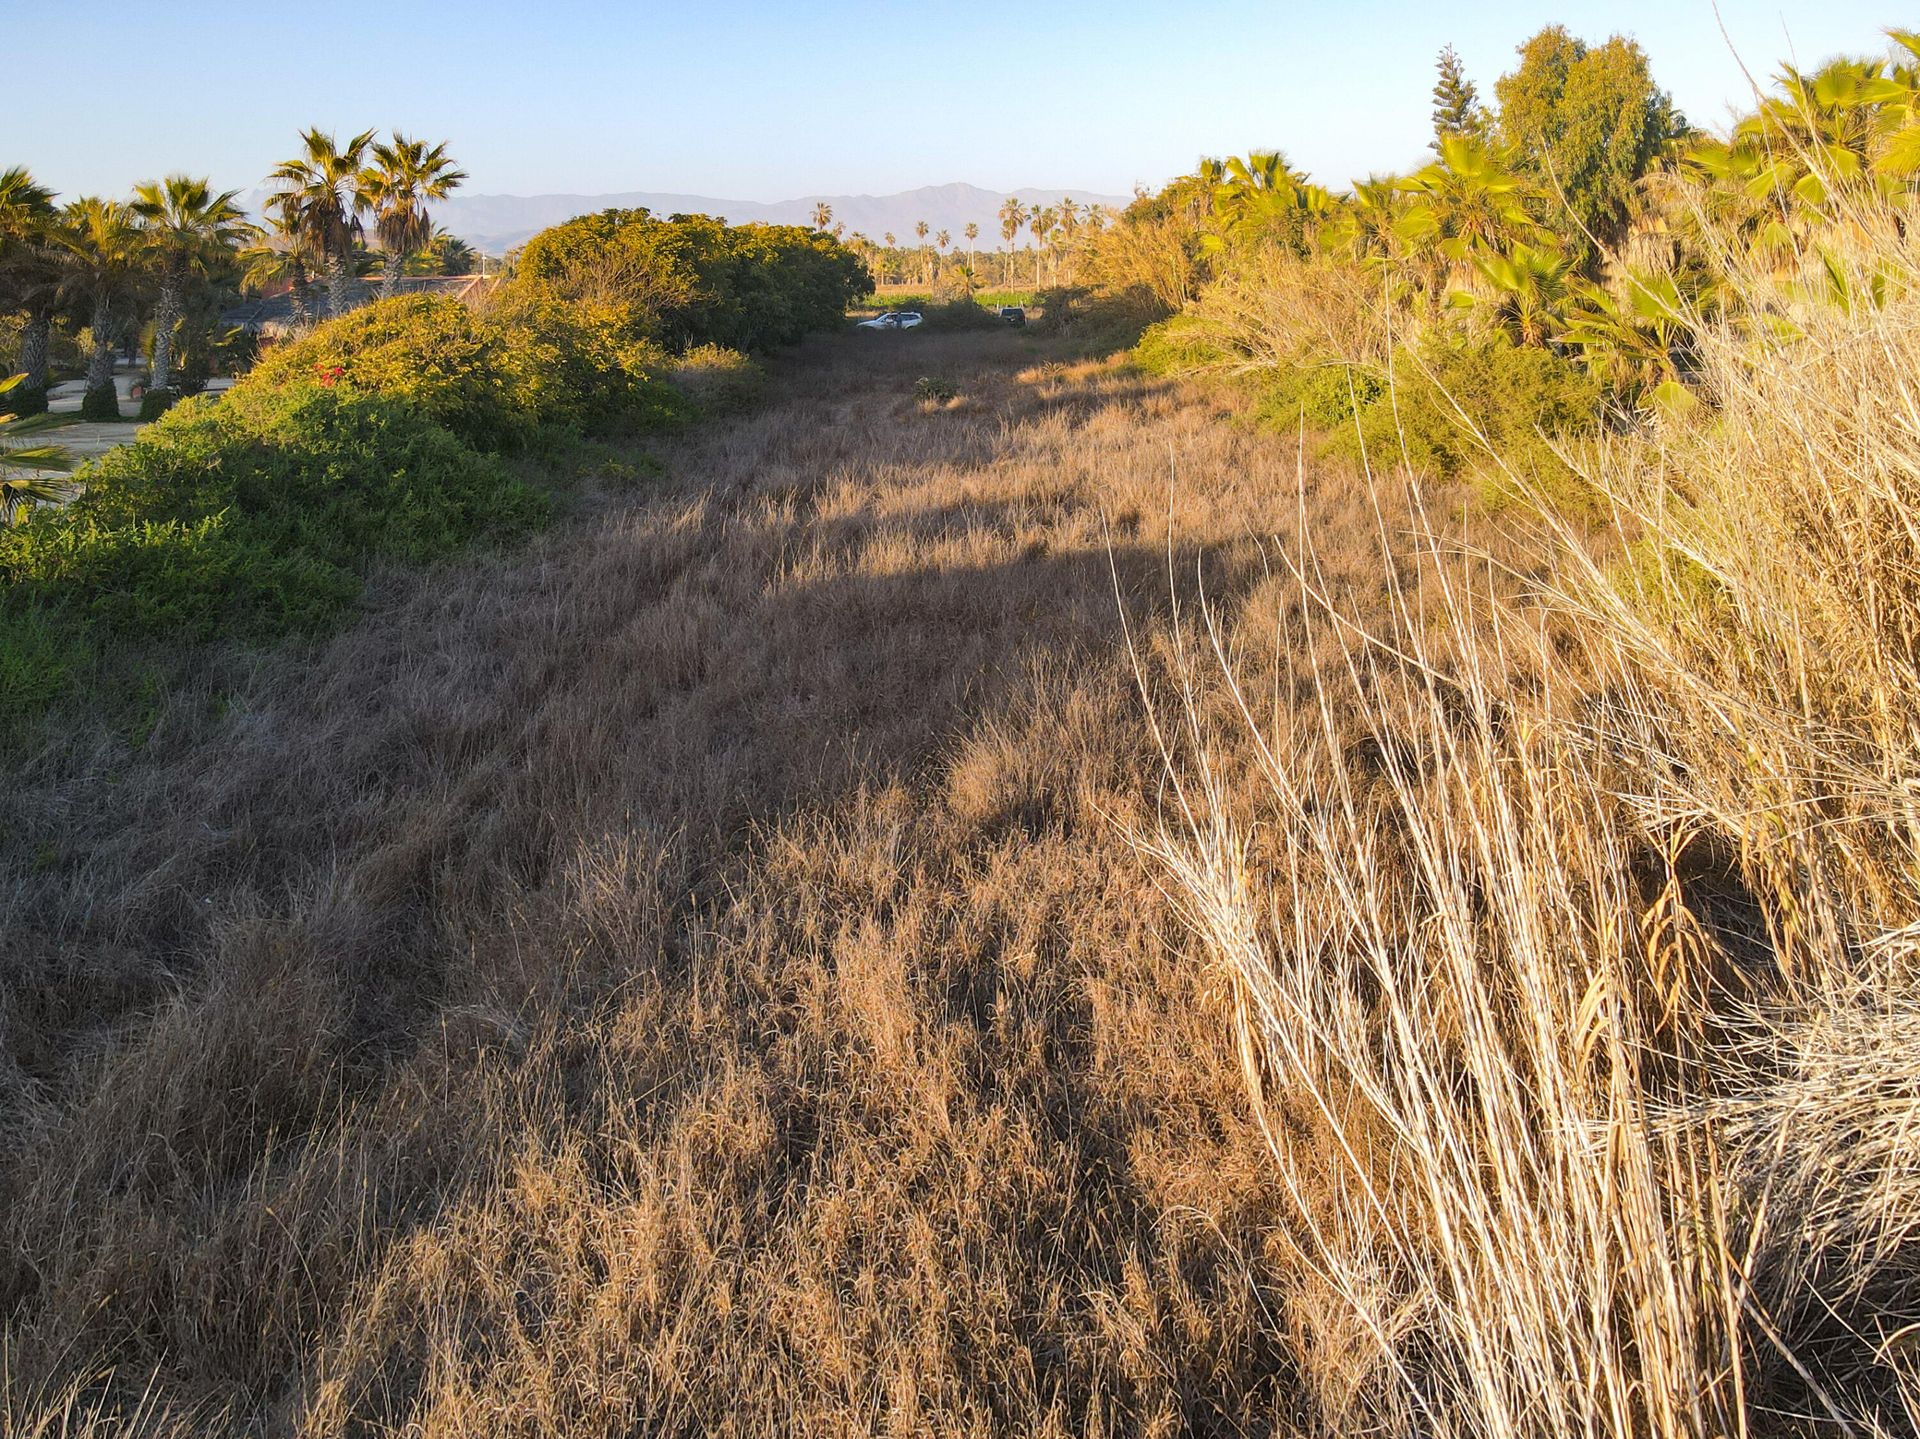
column 100, row 367
column 165, row 315
column 339, row 277
column 297, row 296
column 36, row 344
column 390, row 269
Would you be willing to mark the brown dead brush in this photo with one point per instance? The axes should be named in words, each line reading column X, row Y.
column 1571, row 943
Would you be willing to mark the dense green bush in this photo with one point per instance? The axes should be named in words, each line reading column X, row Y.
column 577, row 365
column 493, row 377
column 156, row 403
column 962, row 314
column 101, row 402
column 257, row 515
column 433, row 353
column 694, row 280
column 25, row 400
column 1439, row 403
column 1177, row 345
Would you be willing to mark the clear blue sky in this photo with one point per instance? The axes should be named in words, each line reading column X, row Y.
column 771, row 101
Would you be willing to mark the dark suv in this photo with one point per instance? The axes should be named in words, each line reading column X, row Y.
column 1013, row 314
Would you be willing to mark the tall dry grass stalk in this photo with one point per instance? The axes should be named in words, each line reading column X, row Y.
column 1572, row 940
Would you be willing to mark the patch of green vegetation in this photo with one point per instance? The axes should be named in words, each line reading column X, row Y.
column 251, row 518
column 33, row 424
column 495, row 379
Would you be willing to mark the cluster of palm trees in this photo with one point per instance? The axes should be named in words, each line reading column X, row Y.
column 1474, row 231
column 103, row 264
column 1059, row 234
column 934, row 260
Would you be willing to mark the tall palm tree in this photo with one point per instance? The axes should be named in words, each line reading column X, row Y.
column 972, row 232
column 822, row 215
column 106, row 261
column 1012, row 216
column 320, row 192
column 404, row 176
column 1041, row 222
column 920, row 228
column 29, row 267
column 187, row 227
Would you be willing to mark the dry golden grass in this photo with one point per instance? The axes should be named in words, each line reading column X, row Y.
column 683, row 978
column 1574, row 957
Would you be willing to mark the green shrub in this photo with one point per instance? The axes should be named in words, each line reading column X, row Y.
column 156, row 403
column 493, row 377
column 1325, row 396
column 101, row 402
column 693, row 280
column 43, row 655
column 962, row 314
column 23, row 401
column 1518, row 397
column 1175, row 346
column 428, row 351
column 257, row 515
column 576, row 364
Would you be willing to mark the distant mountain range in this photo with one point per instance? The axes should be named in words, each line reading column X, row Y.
column 496, row 223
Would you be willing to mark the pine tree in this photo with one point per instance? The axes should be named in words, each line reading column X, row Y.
column 1456, row 103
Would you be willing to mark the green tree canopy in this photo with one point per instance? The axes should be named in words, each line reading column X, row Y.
column 692, row 279
column 1587, row 122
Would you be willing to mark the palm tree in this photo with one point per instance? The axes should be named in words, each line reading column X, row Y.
column 1899, row 150
column 1525, row 289
column 1632, row 342
column 1262, row 199
column 1012, row 216
column 822, row 215
column 320, row 193
column 24, row 469
column 920, row 229
column 187, row 226
column 1468, row 203
column 450, row 255
column 404, row 176
column 106, row 259
column 1040, row 222
column 1364, row 230
column 972, row 232
column 29, row 267
column 278, row 253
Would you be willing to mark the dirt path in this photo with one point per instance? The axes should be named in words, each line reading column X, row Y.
column 685, row 977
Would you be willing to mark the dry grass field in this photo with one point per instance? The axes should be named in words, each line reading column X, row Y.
column 983, row 895
column 691, row 975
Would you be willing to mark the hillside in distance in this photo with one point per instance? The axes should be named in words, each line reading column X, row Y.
column 497, row 223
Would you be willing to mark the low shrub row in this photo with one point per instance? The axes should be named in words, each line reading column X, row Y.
column 495, row 378
column 378, row 436
column 251, row 517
